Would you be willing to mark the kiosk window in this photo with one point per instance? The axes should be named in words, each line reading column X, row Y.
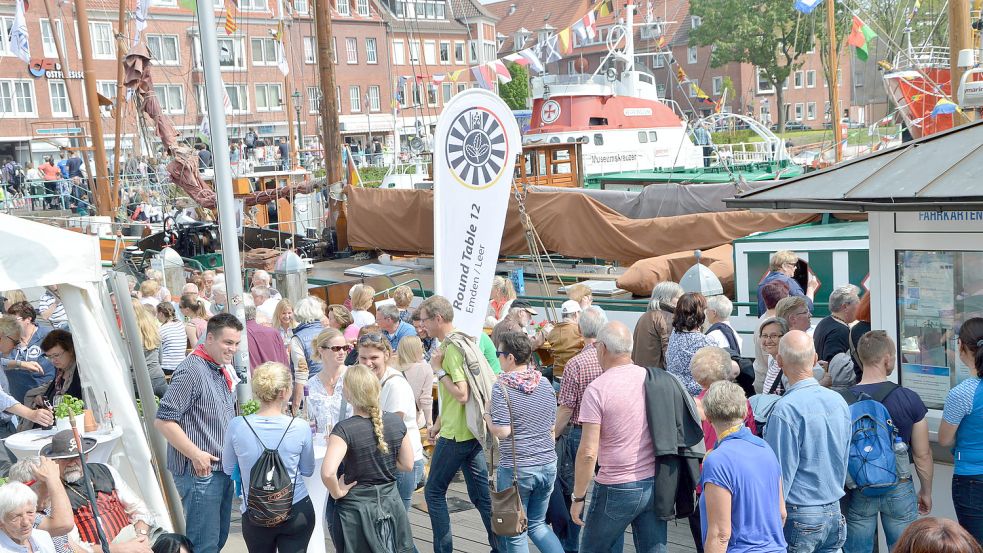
column 937, row 291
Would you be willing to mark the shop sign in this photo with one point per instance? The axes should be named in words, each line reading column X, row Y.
column 940, row 221
column 50, row 69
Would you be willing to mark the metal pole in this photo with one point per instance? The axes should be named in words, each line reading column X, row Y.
column 145, row 391
column 834, row 87
column 300, row 132
column 288, row 107
column 104, row 204
column 368, row 142
column 223, row 184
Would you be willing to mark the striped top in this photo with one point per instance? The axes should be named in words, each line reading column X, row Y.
column 173, row 345
column 200, row 401
column 533, row 417
column 58, row 318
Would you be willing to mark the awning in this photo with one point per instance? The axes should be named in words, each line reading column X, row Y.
column 935, row 173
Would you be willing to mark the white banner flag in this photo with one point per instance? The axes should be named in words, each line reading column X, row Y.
column 19, row 44
column 475, row 145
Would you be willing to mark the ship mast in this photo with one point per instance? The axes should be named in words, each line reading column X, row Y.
column 118, row 103
column 960, row 38
column 103, row 201
column 834, row 86
column 330, row 131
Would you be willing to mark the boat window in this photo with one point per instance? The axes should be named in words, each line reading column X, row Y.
column 571, row 139
column 598, row 139
column 652, row 136
column 642, row 137
column 584, row 140
column 555, row 140
column 597, row 121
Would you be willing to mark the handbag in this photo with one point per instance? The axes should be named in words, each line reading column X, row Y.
column 508, row 518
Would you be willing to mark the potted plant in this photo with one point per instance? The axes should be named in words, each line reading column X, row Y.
column 70, row 407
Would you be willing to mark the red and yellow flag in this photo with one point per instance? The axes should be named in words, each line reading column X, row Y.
column 230, row 18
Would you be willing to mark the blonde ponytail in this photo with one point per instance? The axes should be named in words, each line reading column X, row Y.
column 362, row 389
column 376, row 415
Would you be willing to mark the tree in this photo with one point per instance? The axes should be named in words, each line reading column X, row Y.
column 844, row 23
column 515, row 92
column 770, row 35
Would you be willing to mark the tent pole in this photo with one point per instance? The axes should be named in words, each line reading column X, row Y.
column 145, row 391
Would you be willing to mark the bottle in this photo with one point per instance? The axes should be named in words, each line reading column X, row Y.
column 901, row 459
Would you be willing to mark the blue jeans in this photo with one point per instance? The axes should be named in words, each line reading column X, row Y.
column 207, row 506
column 566, row 451
column 898, row 508
column 535, row 487
column 967, row 498
column 406, row 483
column 613, row 507
column 448, row 457
column 815, row 528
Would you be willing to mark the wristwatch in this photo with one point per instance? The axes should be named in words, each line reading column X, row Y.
column 576, row 499
column 441, row 374
column 143, row 532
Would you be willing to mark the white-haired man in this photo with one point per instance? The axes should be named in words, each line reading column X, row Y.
column 832, row 334
column 394, row 329
column 263, row 301
column 263, row 278
column 720, row 330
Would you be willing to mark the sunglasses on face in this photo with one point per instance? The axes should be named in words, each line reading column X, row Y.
column 345, row 348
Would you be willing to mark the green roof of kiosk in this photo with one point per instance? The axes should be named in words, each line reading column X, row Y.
column 857, row 230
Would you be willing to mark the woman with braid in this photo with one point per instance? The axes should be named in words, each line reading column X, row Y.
column 374, row 446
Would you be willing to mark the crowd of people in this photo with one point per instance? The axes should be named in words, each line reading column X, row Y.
column 804, row 446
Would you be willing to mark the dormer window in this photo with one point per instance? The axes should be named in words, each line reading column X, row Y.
column 521, row 36
column 545, row 35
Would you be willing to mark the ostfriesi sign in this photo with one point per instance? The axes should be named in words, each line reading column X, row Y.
column 475, row 145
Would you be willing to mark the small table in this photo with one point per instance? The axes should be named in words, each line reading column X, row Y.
column 319, row 496
column 29, row 443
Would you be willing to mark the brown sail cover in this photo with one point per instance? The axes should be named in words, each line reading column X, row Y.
column 184, row 168
column 401, row 221
column 643, row 275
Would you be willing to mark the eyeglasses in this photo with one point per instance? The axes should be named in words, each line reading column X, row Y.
column 771, row 336
column 346, row 348
column 54, row 355
column 501, row 353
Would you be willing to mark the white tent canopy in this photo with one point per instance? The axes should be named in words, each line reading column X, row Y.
column 34, row 254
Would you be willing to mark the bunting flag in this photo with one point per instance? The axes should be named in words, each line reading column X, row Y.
column 661, row 43
column 281, row 53
column 681, row 75
column 501, row 71
column 484, row 76
column 586, row 28
column 547, row 50
column 532, row 60
column 204, row 132
column 19, row 43
column 140, row 15
column 806, row 6
column 453, row 76
column 438, row 78
column 699, row 93
column 944, row 107
column 860, row 37
column 230, row 19
column 566, row 41
column 606, row 8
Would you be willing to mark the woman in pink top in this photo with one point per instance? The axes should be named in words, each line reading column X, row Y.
column 709, row 365
column 420, row 376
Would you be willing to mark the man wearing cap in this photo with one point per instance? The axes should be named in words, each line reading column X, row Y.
column 523, row 312
column 193, row 415
column 123, row 516
column 565, row 339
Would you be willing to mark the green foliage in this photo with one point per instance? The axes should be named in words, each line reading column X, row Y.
column 770, row 35
column 140, row 405
column 249, row 407
column 515, row 92
column 69, row 407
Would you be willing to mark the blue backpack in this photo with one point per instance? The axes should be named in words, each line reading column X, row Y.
column 872, row 466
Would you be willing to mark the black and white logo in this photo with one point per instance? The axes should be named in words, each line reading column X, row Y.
column 476, row 148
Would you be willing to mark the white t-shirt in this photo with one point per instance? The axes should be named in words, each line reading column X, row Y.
column 718, row 338
column 362, row 318
column 268, row 307
column 397, row 397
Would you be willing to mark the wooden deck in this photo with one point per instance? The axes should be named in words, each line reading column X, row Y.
column 469, row 533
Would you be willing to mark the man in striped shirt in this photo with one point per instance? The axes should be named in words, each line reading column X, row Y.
column 192, row 417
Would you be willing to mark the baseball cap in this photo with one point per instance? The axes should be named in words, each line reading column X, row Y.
column 570, row 307
column 524, row 305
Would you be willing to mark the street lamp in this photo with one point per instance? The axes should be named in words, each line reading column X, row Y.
column 300, row 137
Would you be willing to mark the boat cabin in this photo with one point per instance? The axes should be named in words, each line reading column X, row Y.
column 557, row 164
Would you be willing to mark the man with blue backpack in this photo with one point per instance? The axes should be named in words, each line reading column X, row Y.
column 809, row 430
column 888, row 427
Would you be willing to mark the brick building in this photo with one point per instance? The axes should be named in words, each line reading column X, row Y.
column 374, row 42
column 523, row 23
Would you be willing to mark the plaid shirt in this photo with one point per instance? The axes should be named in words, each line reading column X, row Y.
column 580, row 371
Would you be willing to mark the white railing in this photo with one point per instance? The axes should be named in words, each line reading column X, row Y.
column 926, row 56
column 745, row 152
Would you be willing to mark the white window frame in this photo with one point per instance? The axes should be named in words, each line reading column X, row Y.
column 459, row 48
column 48, row 46
column 302, row 7
column 659, row 61
column 160, row 39
column 398, row 52
column 473, row 51
column 241, row 92
column 343, row 7
column 371, row 54
column 5, row 24
column 310, row 50
column 351, row 50
column 264, row 56
column 237, row 51
column 430, row 52
column 62, row 98
column 165, row 98
column 334, row 50
column 338, row 97
column 799, row 79
column 254, row 6
column 163, row 3
column 718, row 85
column 692, row 54
column 799, row 111
column 414, row 56
column 313, row 100
column 264, row 92
column 373, row 98
column 758, row 77
column 446, row 92
column 103, row 43
column 811, row 78
column 12, row 91
column 461, row 87
column 362, row 8
column 107, row 89
column 695, row 21
column 660, row 90
column 355, row 98
column 431, row 93
column 811, row 111
column 445, row 48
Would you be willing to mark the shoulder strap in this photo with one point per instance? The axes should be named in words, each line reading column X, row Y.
column 390, row 377
column 515, row 452
column 853, row 347
column 775, row 383
column 292, row 419
column 885, row 392
column 258, row 439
